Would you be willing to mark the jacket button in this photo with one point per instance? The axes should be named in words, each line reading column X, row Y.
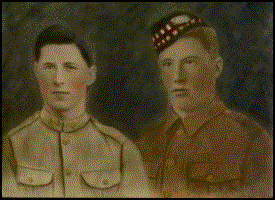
column 210, row 178
column 105, row 182
column 228, row 111
column 51, row 121
column 170, row 162
column 73, row 125
column 68, row 172
column 179, row 132
column 30, row 179
column 167, row 194
column 58, row 123
column 66, row 141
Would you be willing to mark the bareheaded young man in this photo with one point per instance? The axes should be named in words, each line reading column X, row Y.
column 61, row 151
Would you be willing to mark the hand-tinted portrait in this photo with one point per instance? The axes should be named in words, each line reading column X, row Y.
column 137, row 99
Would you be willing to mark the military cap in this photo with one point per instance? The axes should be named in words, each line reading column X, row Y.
column 167, row 30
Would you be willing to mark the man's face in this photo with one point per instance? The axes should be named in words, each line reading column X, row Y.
column 63, row 76
column 188, row 73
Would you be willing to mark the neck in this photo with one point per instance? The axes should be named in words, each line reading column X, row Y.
column 182, row 113
column 67, row 114
column 185, row 113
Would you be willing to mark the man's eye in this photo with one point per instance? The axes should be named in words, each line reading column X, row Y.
column 166, row 64
column 189, row 62
column 48, row 66
column 70, row 67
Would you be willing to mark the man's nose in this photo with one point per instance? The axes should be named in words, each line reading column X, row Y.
column 180, row 75
column 59, row 77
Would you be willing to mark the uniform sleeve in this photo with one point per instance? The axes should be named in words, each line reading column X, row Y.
column 258, row 168
column 9, row 185
column 134, row 178
column 8, row 157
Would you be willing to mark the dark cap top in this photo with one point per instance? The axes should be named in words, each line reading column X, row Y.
column 167, row 30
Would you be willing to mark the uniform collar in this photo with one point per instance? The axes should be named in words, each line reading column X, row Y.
column 65, row 126
column 196, row 119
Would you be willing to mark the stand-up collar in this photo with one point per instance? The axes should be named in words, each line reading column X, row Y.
column 197, row 118
column 65, row 126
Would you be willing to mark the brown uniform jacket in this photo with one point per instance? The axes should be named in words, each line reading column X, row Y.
column 45, row 157
column 213, row 152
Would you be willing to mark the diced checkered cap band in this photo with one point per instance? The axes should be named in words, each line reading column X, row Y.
column 172, row 29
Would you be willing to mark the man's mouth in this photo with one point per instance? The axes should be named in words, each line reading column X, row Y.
column 60, row 92
column 179, row 89
column 181, row 92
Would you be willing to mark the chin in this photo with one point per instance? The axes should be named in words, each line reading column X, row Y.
column 60, row 106
column 185, row 108
column 183, row 104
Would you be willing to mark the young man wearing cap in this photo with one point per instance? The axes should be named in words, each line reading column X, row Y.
column 62, row 151
column 201, row 148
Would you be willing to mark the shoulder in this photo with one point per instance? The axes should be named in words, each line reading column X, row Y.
column 237, row 122
column 250, row 126
column 110, row 131
column 29, row 121
column 237, row 129
column 129, row 149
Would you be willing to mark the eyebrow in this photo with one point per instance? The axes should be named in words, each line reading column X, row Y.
column 169, row 59
column 48, row 63
column 66, row 63
column 70, row 63
column 188, row 58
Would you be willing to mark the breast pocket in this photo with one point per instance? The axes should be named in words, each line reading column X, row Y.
column 34, row 182
column 101, row 183
column 221, row 179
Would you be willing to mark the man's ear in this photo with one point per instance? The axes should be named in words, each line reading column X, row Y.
column 35, row 67
column 218, row 66
column 92, row 74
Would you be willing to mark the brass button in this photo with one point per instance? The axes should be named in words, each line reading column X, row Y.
column 58, row 123
column 167, row 194
column 170, row 162
column 66, row 141
column 68, row 172
column 30, row 179
column 73, row 125
column 179, row 132
column 51, row 121
column 228, row 111
column 105, row 182
column 210, row 178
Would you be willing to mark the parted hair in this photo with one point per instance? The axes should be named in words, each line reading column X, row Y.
column 57, row 34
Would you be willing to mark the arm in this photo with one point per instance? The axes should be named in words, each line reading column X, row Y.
column 134, row 178
column 258, row 168
column 9, row 185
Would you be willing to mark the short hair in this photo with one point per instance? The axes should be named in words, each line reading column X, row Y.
column 57, row 34
column 207, row 37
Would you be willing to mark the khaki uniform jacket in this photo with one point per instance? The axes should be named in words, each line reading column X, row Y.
column 44, row 157
column 213, row 152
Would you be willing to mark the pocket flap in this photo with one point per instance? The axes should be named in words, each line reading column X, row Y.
column 34, row 177
column 102, row 178
column 214, row 172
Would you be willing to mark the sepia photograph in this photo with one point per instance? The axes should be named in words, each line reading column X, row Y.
column 137, row 99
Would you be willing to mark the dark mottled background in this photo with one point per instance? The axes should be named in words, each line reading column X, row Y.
column 127, row 92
